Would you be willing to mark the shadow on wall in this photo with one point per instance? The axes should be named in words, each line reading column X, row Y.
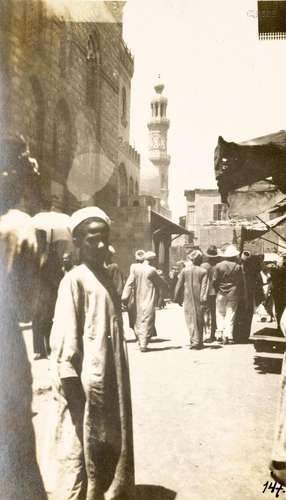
column 151, row 492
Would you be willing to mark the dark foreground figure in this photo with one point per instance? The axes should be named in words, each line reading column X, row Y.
column 19, row 265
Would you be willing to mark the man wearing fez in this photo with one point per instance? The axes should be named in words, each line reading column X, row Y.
column 191, row 289
column 94, row 440
column 20, row 258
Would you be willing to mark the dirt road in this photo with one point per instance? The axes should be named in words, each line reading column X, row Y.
column 203, row 420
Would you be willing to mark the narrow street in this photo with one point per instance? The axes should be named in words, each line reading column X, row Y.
column 203, row 420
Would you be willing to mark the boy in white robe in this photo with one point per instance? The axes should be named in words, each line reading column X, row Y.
column 91, row 377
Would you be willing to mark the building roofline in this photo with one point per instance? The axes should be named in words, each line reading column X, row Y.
column 266, row 137
column 201, row 190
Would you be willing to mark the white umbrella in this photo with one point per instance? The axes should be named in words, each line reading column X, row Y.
column 55, row 225
column 58, row 234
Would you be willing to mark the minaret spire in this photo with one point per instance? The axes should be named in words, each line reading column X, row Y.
column 158, row 127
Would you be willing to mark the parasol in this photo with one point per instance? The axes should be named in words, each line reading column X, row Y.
column 56, row 227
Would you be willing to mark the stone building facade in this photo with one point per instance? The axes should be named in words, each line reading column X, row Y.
column 65, row 85
column 207, row 218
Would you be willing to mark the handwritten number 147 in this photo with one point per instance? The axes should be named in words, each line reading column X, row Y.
column 274, row 487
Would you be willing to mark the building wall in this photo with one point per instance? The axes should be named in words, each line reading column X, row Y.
column 130, row 231
column 201, row 218
column 61, row 87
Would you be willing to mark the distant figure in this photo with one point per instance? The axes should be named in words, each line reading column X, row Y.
column 173, row 278
column 191, row 290
column 131, row 305
column 266, row 312
column 146, row 283
column 278, row 276
column 210, row 309
column 160, row 302
column 114, row 271
column 227, row 281
column 67, row 262
column 250, row 297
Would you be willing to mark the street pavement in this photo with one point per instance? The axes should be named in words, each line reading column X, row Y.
column 203, row 420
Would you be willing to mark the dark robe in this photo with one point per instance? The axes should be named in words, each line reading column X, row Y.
column 19, row 472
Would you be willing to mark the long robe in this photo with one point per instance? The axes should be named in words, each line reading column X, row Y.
column 192, row 284
column 131, row 304
column 94, row 440
column 146, row 283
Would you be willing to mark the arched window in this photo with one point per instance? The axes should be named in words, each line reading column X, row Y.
column 123, row 186
column 131, row 187
column 136, row 188
column 123, row 107
column 62, row 138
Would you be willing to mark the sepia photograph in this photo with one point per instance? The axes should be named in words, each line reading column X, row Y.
column 142, row 250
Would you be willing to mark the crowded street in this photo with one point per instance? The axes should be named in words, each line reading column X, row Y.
column 142, row 250
column 203, row 420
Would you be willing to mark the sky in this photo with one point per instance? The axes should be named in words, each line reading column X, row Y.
column 220, row 79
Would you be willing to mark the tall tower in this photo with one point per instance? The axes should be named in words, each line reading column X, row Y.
column 158, row 127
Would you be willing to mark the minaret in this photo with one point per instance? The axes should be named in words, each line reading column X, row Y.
column 158, row 127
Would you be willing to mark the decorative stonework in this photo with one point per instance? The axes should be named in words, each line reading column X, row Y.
column 126, row 58
column 125, row 148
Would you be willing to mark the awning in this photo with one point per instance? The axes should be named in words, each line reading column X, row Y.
column 254, row 230
column 253, row 200
column 163, row 225
column 250, row 177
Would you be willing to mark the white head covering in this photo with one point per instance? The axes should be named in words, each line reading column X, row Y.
column 150, row 255
column 230, row 252
column 140, row 255
column 83, row 214
column 194, row 255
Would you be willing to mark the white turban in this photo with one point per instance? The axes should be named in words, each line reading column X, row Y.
column 150, row 255
column 83, row 214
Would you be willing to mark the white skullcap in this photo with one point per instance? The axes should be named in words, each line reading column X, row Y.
column 150, row 255
column 83, row 214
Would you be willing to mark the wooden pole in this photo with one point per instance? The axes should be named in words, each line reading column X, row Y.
column 271, row 228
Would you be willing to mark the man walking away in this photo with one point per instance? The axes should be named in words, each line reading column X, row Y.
column 131, row 306
column 192, row 289
column 227, row 280
column 146, row 282
column 210, row 309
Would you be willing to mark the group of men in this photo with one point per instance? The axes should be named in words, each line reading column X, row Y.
column 210, row 291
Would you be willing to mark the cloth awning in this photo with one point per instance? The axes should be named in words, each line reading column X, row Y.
column 254, row 230
column 162, row 224
column 250, row 177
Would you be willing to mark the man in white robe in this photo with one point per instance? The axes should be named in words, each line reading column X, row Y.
column 146, row 283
